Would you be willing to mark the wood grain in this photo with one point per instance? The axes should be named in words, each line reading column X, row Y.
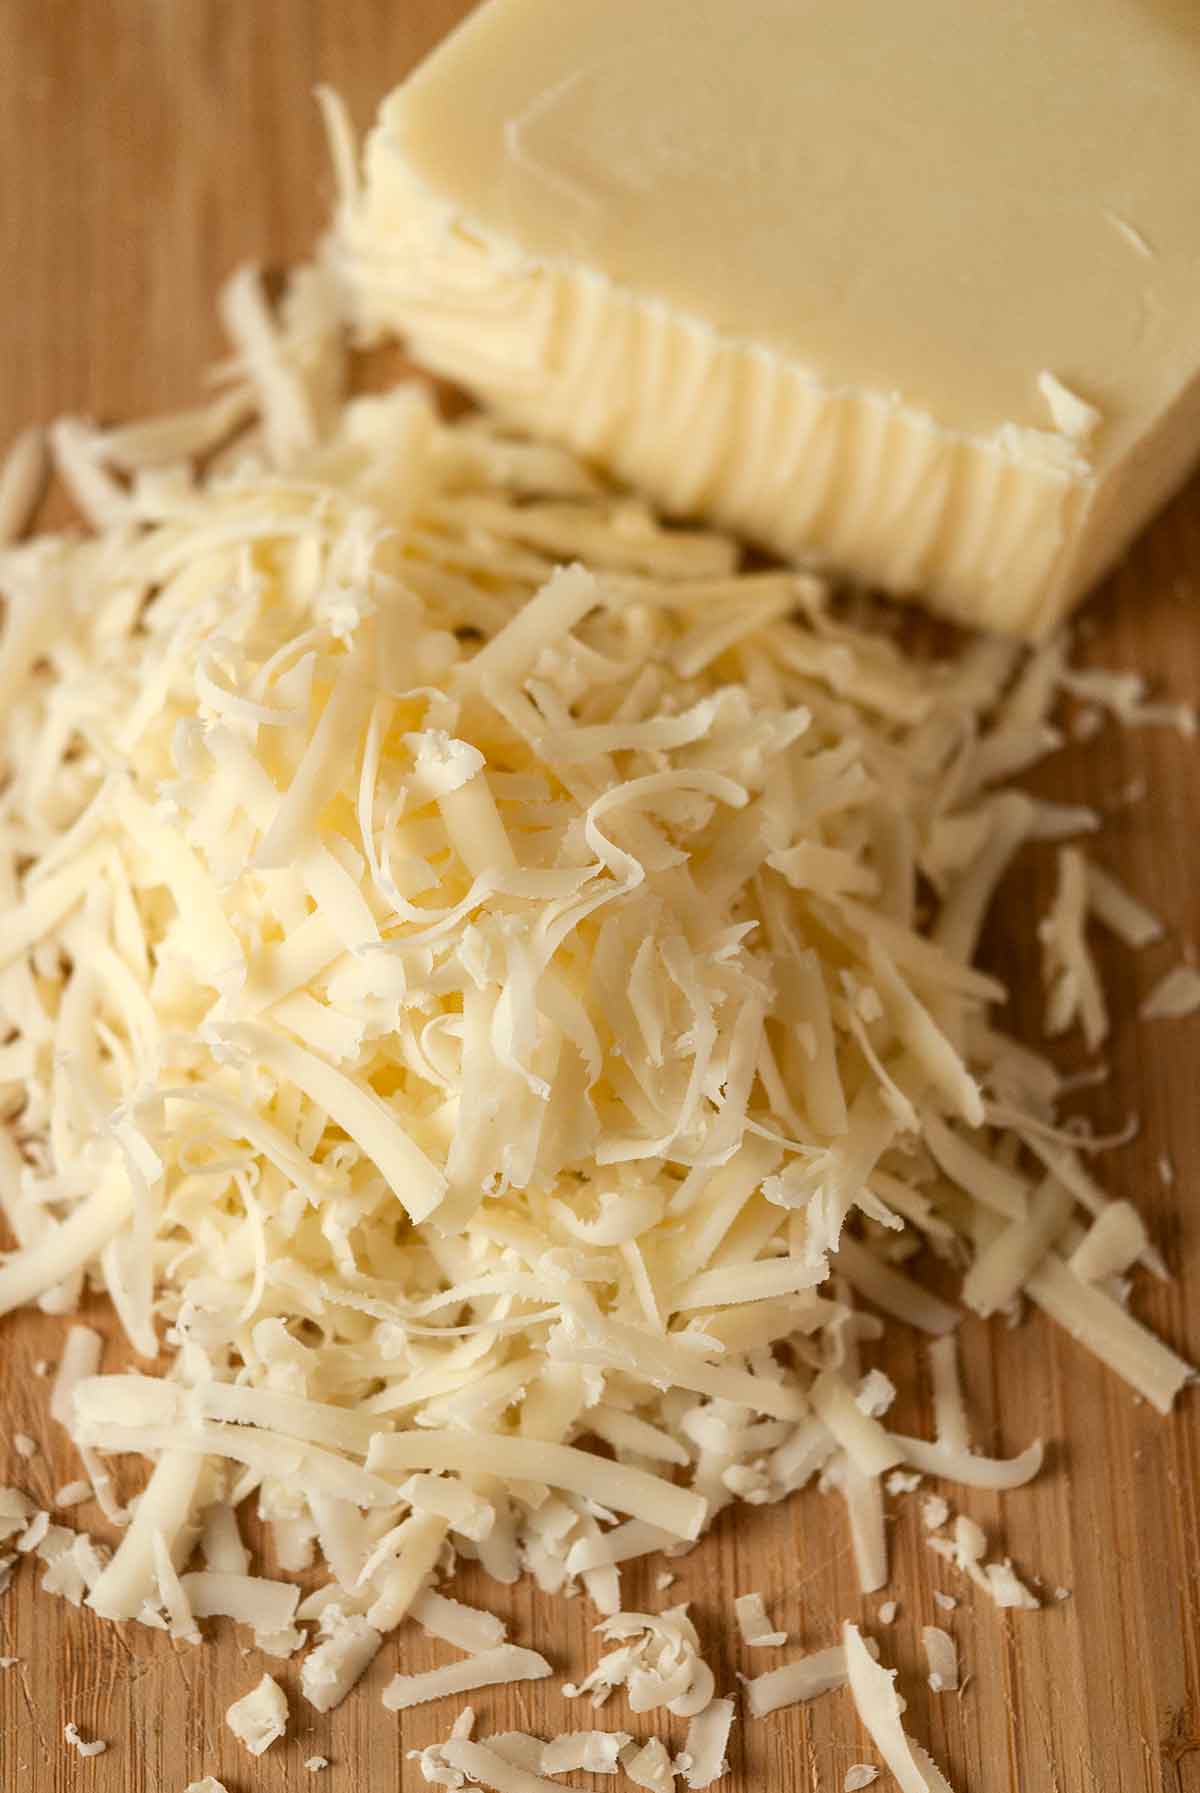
column 146, row 147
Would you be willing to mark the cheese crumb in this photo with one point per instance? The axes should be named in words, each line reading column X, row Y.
column 331, row 1669
column 260, row 1717
column 81, row 1747
column 651, row 1767
column 903, row 1481
column 858, row 1776
column 1007, row 1589
column 941, row 1653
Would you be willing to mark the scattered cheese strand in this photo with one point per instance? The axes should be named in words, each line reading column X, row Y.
column 881, row 1708
column 753, row 1623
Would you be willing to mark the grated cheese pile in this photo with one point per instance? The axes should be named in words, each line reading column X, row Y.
column 486, row 977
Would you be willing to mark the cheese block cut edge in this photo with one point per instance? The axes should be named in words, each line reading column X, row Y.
column 1004, row 531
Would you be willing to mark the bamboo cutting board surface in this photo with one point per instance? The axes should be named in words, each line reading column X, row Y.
column 148, row 146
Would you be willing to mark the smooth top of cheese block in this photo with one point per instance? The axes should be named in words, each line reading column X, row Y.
column 905, row 288
column 936, row 199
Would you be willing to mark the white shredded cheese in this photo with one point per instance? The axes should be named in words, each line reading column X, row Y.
column 481, row 963
column 82, row 1747
column 1074, row 991
column 489, row 1668
column 949, row 1405
column 941, row 1654
column 858, row 1776
column 657, row 1660
column 260, row 1717
column 16, row 1510
column 1112, row 1244
column 331, row 1668
column 753, row 1623
column 486, row 1766
column 80, row 1358
column 805, row 1679
column 22, row 477
column 705, row 1743
column 1007, row 1589
column 651, row 1767
column 74, row 1563
column 1175, row 996
column 596, row 1752
column 1119, row 910
column 466, row 1627
column 880, row 1708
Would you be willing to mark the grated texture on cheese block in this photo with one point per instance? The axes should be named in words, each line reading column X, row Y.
column 487, row 975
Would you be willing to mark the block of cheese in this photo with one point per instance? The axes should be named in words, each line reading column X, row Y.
column 907, row 289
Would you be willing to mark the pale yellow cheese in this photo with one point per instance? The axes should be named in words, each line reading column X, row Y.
column 913, row 291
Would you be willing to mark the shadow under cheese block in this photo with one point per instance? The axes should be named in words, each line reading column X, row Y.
column 910, row 291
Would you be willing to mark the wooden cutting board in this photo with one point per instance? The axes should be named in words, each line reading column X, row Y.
column 148, row 146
